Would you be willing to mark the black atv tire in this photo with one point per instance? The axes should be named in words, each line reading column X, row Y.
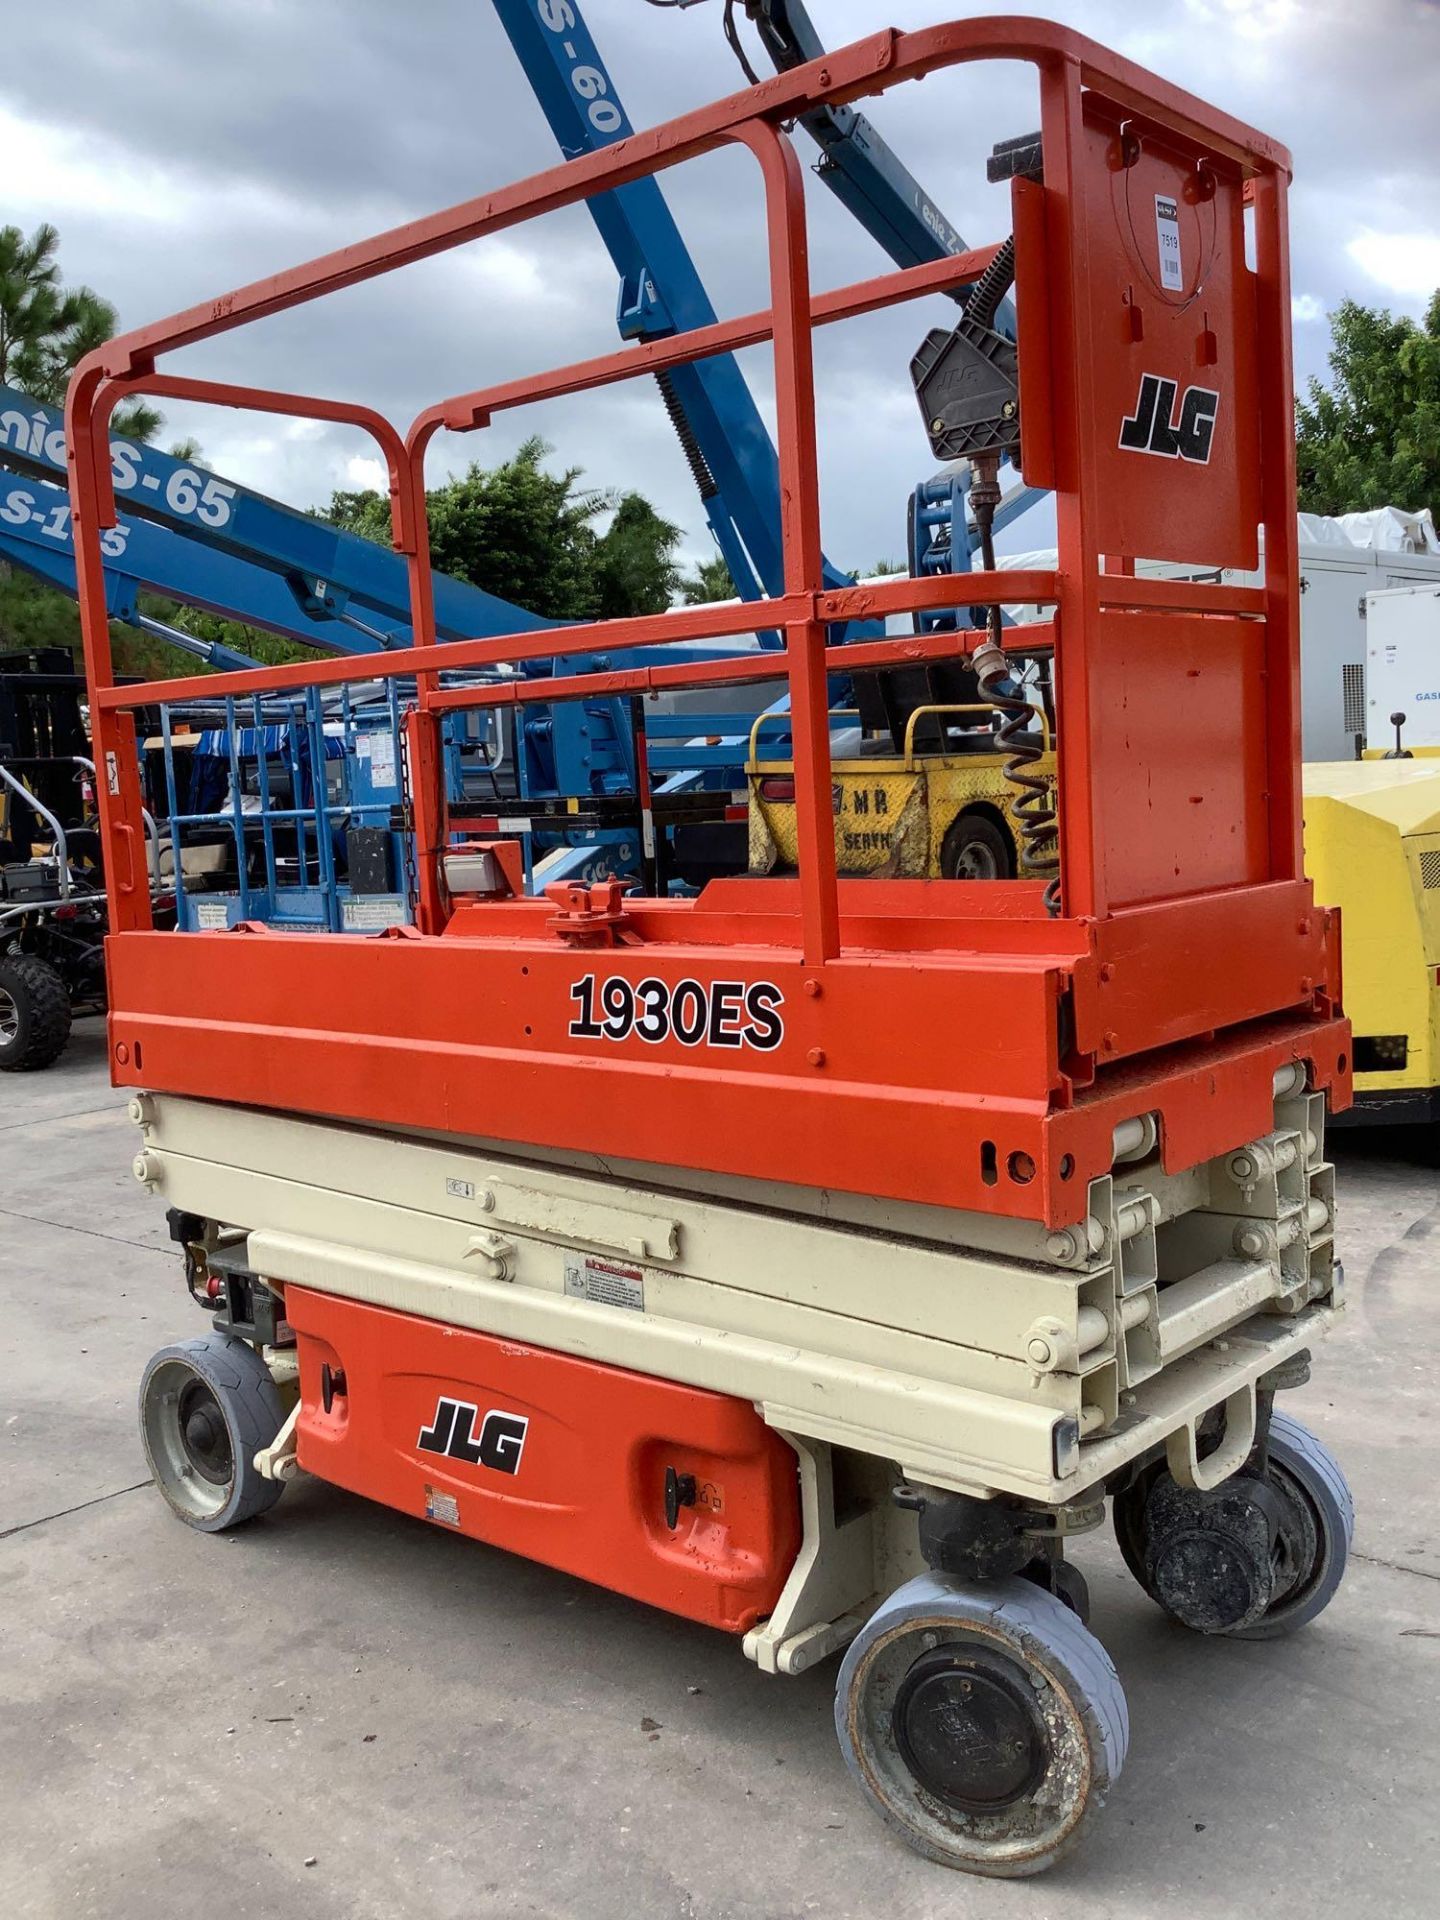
column 34, row 1013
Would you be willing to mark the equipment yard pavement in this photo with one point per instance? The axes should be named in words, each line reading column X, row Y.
column 341, row 1711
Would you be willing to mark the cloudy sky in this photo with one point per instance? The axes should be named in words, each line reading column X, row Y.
column 185, row 146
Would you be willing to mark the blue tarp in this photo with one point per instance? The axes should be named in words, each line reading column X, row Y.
column 214, row 742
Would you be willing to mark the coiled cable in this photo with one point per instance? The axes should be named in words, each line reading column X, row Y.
column 1034, row 809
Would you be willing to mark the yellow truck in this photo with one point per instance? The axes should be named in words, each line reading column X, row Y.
column 916, row 814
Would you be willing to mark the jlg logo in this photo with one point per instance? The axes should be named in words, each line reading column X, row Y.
column 1155, row 427
column 459, row 1433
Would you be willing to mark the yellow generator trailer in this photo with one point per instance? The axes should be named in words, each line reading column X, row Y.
column 1372, row 848
column 949, row 812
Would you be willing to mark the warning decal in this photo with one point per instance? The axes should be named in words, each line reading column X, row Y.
column 442, row 1506
column 604, row 1282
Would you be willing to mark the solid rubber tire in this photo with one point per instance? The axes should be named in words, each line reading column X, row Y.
column 1310, row 1462
column 1036, row 1629
column 1306, row 1458
column 253, row 1414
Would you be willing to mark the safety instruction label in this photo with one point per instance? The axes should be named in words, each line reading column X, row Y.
column 211, row 913
column 442, row 1506
column 379, row 750
column 363, row 912
column 604, row 1282
column 1167, row 236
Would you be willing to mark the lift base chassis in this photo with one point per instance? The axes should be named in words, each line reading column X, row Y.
column 638, row 1330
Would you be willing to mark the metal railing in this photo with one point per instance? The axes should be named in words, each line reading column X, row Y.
column 754, row 121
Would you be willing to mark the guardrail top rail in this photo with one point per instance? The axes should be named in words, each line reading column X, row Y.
column 1155, row 400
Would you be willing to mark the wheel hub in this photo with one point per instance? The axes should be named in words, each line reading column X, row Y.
column 1211, row 1582
column 975, row 862
column 967, row 1729
column 204, row 1433
column 1213, row 1554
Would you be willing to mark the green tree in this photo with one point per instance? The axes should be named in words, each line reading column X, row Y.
column 528, row 535
column 46, row 329
column 515, row 530
column 634, row 561
column 1371, row 438
column 710, row 581
column 33, row 614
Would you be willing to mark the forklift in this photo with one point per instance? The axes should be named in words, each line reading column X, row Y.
column 816, row 1258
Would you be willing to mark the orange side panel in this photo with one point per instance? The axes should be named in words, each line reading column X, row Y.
column 561, row 1460
column 1170, row 301
column 1178, row 768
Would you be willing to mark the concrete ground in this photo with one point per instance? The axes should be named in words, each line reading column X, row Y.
column 340, row 1712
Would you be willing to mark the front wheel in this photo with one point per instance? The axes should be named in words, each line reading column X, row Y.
column 207, row 1407
column 984, row 1722
column 34, row 1013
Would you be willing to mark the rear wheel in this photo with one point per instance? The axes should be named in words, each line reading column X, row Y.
column 1259, row 1556
column 207, row 1407
column 976, row 848
column 34, row 1013
column 984, row 1722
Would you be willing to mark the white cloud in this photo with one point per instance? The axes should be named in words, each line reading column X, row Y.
column 514, row 272
column 1253, row 19
column 364, row 473
column 51, row 173
column 1306, row 308
column 1406, row 263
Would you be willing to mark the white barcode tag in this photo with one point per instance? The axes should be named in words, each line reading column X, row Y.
column 1167, row 236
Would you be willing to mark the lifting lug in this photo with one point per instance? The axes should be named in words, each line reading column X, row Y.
column 590, row 916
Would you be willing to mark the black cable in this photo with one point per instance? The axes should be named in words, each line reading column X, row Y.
column 732, row 34
column 992, row 286
column 1034, row 809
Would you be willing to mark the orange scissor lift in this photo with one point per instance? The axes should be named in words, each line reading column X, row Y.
column 815, row 1258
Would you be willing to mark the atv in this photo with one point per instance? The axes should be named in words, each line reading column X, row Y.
column 52, row 895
